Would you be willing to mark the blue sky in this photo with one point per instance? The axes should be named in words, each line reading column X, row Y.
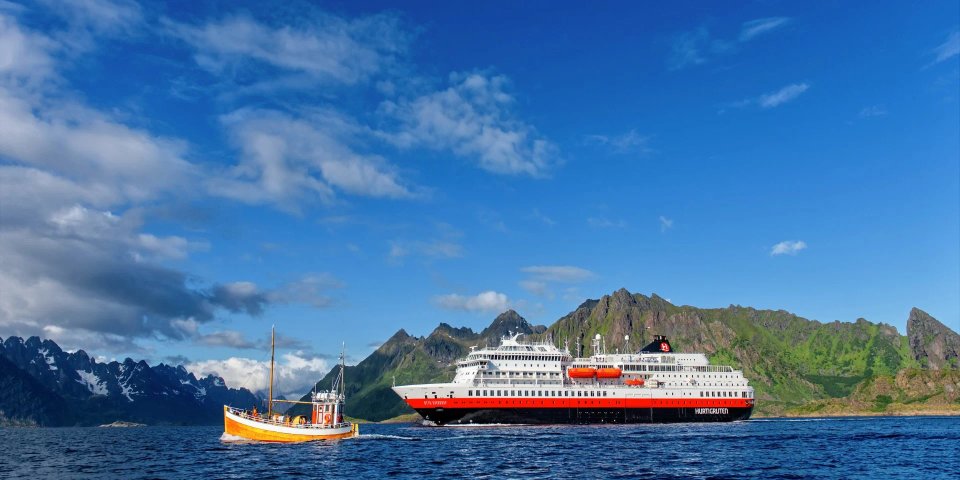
column 177, row 178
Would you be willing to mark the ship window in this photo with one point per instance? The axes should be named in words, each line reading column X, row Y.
column 469, row 393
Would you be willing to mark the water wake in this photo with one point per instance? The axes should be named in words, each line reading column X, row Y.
column 377, row 436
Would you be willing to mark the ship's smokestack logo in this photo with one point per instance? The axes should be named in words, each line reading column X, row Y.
column 664, row 347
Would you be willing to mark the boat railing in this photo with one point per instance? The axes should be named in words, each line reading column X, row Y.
column 261, row 419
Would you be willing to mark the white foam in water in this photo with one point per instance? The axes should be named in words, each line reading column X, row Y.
column 227, row 438
column 377, row 436
column 484, row 425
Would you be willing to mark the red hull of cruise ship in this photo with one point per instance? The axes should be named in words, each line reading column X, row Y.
column 443, row 411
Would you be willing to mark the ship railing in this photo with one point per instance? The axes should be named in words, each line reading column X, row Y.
column 261, row 419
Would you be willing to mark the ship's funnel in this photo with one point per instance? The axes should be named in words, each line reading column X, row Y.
column 660, row 344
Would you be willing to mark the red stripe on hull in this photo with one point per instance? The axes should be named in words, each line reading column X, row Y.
column 577, row 402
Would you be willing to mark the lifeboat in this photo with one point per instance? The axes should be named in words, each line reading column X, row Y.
column 581, row 372
column 634, row 382
column 608, row 373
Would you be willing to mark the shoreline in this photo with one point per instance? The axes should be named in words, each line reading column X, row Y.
column 918, row 413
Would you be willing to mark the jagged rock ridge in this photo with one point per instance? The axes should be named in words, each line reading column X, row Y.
column 47, row 386
column 932, row 344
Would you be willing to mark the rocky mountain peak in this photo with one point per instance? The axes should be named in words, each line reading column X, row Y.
column 509, row 322
column 932, row 343
column 461, row 333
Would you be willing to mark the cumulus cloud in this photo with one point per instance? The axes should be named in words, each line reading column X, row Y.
column 788, row 247
column 295, row 373
column 287, row 161
column 81, row 267
column 24, row 56
column 472, row 118
column 489, row 301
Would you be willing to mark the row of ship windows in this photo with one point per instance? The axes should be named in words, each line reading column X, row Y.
column 529, row 358
column 524, row 374
column 580, row 393
column 723, row 394
column 534, row 393
column 626, row 368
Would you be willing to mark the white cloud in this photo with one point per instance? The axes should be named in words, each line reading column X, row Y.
column 753, row 28
column 226, row 338
column 782, row 96
column 695, row 48
column 558, row 273
column 543, row 218
column 949, row 48
column 699, row 46
column 873, row 111
column 294, row 374
column 312, row 289
column 665, row 223
column 472, row 118
column 536, row 287
column 24, row 56
column 489, row 301
column 100, row 16
column 788, row 247
column 629, row 142
column 445, row 245
column 325, row 47
column 290, row 161
column 600, row 222
column 86, row 146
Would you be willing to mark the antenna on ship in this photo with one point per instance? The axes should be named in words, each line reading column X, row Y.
column 273, row 333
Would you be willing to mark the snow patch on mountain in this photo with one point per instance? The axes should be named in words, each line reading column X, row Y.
column 51, row 362
column 92, row 382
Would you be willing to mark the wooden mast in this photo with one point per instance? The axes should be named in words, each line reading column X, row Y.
column 270, row 401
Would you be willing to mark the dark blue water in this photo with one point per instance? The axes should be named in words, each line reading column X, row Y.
column 916, row 448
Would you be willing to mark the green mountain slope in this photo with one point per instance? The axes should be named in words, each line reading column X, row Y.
column 791, row 361
column 408, row 360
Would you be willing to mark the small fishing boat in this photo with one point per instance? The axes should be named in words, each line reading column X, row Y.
column 324, row 423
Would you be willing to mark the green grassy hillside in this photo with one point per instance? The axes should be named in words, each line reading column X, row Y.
column 791, row 361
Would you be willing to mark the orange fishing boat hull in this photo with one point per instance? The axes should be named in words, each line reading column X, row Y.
column 250, row 429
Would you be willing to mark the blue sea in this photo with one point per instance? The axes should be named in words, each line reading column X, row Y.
column 875, row 448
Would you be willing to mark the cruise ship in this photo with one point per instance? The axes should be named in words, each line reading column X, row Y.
column 521, row 382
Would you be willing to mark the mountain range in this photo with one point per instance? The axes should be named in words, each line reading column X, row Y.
column 40, row 384
column 795, row 364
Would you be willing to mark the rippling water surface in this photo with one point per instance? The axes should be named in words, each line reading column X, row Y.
column 918, row 448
